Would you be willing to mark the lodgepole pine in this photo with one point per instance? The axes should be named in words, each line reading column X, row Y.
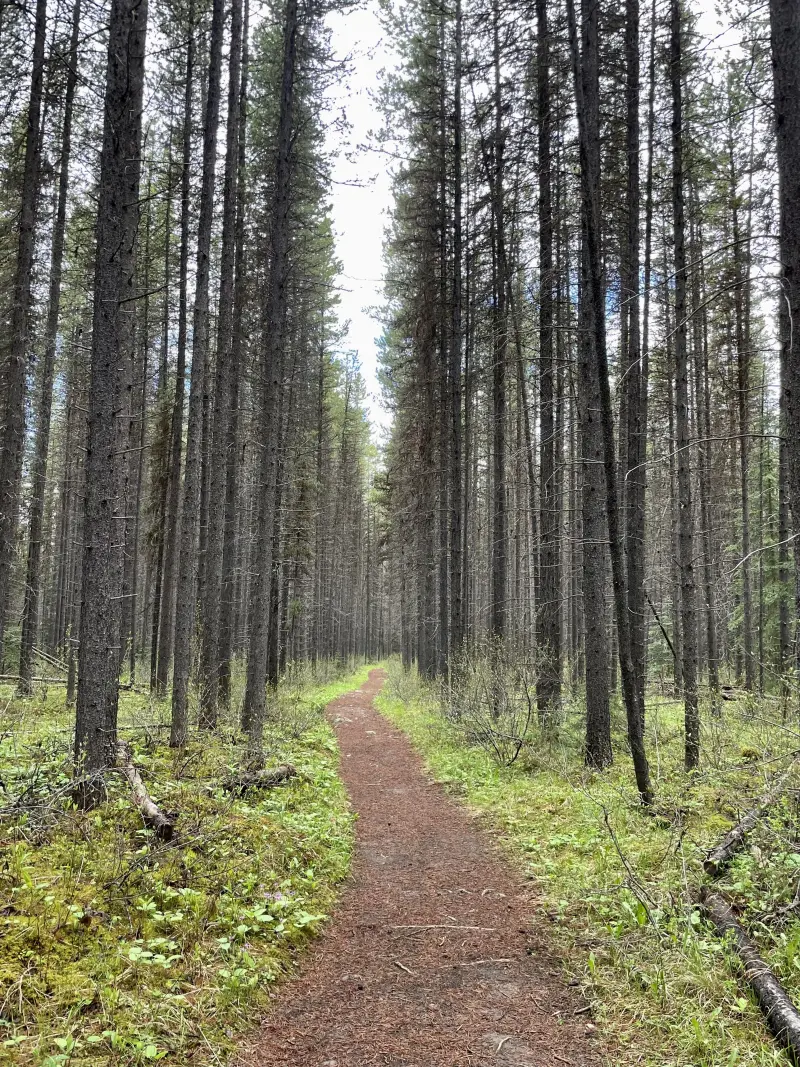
column 187, row 561
column 12, row 431
column 109, row 397
column 589, row 151
column 30, row 611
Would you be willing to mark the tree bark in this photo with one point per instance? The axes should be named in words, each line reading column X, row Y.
column 635, row 432
column 109, row 396
column 227, row 608
column 30, row 612
column 685, row 515
column 499, row 531
column 154, row 817
column 587, row 99
column 187, row 562
column 223, row 392
column 12, row 432
column 274, row 329
column 456, row 343
column 782, row 1016
column 166, row 629
column 785, row 37
column 549, row 627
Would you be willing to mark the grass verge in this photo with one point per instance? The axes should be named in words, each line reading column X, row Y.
column 116, row 948
column 617, row 886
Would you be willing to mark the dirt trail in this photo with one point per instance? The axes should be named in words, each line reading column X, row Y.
column 431, row 960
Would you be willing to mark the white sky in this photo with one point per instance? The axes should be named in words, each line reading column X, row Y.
column 361, row 194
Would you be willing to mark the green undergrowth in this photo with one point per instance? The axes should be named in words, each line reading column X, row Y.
column 118, row 949
column 618, row 886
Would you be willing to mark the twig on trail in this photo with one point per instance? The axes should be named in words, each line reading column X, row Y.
column 477, row 963
column 403, row 967
column 499, row 1047
column 439, row 926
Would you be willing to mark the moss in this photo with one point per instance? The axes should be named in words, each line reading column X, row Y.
column 116, row 948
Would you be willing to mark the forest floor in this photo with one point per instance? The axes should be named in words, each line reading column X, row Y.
column 436, row 956
column 496, row 916
column 617, row 886
column 118, row 950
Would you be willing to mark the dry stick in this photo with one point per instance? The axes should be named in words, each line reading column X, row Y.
column 782, row 1016
column 41, row 681
column 664, row 633
column 260, row 779
column 51, row 660
column 720, row 856
column 439, row 926
column 151, row 813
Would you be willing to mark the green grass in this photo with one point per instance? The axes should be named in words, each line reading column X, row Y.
column 617, row 886
column 116, row 948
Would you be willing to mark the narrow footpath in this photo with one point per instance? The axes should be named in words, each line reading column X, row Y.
column 433, row 958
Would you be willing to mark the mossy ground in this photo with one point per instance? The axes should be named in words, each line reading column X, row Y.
column 618, row 886
column 116, row 948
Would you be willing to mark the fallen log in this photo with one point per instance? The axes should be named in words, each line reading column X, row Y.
column 781, row 1015
column 719, row 856
column 154, row 817
column 38, row 680
column 241, row 783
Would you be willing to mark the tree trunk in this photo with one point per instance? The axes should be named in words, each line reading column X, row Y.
column 12, row 432
column 161, row 447
column 274, row 329
column 187, row 562
column 226, row 622
column 587, row 99
column 635, row 432
column 30, row 613
column 223, row 393
column 685, row 516
column 499, row 530
column 741, row 282
column 109, row 398
column 594, row 532
column 549, row 628
column 166, row 629
column 785, row 36
column 456, row 340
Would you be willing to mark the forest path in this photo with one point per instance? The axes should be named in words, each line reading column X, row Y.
column 431, row 959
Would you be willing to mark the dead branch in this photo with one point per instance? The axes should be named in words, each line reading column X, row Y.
column 163, row 825
column 267, row 779
column 719, row 857
column 40, row 681
column 782, row 1016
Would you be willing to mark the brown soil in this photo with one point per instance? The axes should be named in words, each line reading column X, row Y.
column 433, row 958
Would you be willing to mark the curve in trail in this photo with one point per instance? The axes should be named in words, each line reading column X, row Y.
column 431, row 960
